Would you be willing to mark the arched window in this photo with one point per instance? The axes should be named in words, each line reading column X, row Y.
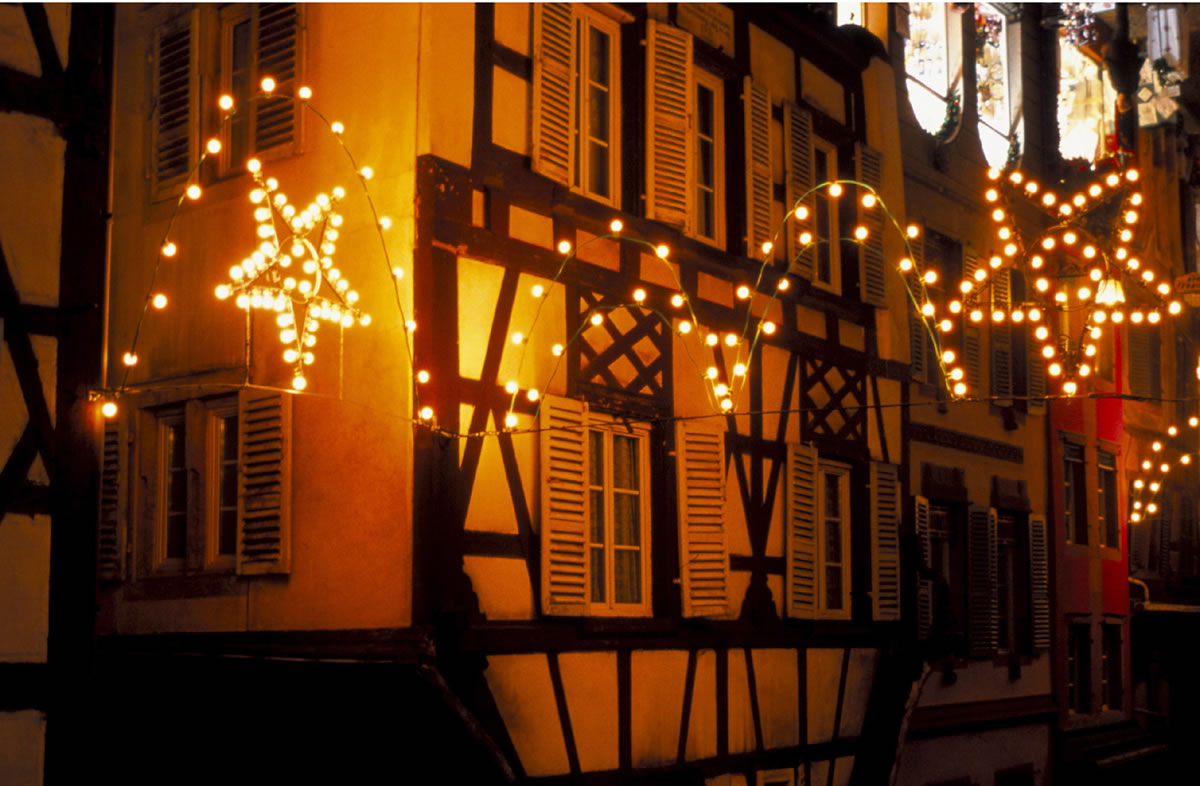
column 1086, row 111
column 927, row 63
column 998, row 115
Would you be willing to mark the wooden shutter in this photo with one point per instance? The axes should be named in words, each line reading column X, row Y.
column 670, row 158
column 982, row 611
column 798, row 156
column 800, row 530
column 174, row 99
column 870, row 171
column 114, row 501
column 760, row 188
column 1139, row 360
column 265, row 482
column 1002, row 361
column 703, row 556
column 919, row 344
column 885, row 540
column 565, row 509
column 1039, row 563
column 972, row 339
column 277, row 35
column 1036, row 374
column 924, row 585
column 553, row 93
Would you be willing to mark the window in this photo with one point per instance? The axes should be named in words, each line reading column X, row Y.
column 833, row 545
column 575, row 84
column 1079, row 668
column 1013, row 629
column 927, row 63
column 948, row 560
column 1075, row 494
column 825, row 219
column 259, row 40
column 1110, row 662
column 996, row 124
column 710, row 158
column 1086, row 104
column 224, row 500
column 173, row 491
column 1106, row 491
column 619, row 516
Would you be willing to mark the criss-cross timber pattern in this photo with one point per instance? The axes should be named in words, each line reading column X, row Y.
column 833, row 397
column 628, row 351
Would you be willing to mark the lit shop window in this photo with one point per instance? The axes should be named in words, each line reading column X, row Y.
column 1086, row 112
column 996, row 122
column 927, row 63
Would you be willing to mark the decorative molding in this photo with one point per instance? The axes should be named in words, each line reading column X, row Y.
column 967, row 443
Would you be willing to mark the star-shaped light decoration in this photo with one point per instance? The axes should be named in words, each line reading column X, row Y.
column 292, row 270
column 1075, row 266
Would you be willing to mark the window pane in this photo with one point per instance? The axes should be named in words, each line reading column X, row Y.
column 833, row 586
column 625, row 463
column 598, row 169
column 229, row 438
column 227, row 456
column 704, row 171
column 991, row 77
column 227, row 532
column 628, row 575
column 598, row 59
column 833, row 501
column 704, row 111
column 598, row 113
column 597, row 530
column 598, row 595
column 175, row 493
column 704, row 214
column 596, row 471
column 926, row 62
column 626, row 520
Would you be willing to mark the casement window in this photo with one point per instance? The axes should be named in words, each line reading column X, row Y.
column 999, row 115
column 174, row 101
column 818, row 512
column 941, row 532
column 619, row 517
column 576, row 101
column 216, row 490
column 1106, row 491
column 1075, row 493
column 260, row 40
column 1111, row 695
column 1079, row 668
column 1008, row 605
column 1086, row 104
column 827, row 273
column 1013, row 632
column 927, row 63
column 685, row 137
column 1145, row 361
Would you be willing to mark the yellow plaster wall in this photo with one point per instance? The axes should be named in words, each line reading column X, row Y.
column 823, row 672
column 523, row 693
column 776, row 678
column 512, row 26
column 702, row 722
column 447, row 79
column 502, row 586
column 658, row 681
column 31, row 161
column 772, row 64
column 24, row 588
column 590, row 686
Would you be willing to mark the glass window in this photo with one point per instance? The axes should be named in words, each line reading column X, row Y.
column 1110, row 672
column 594, row 122
column 948, row 558
column 1014, row 629
column 927, row 63
column 710, row 155
column 1106, row 491
column 852, row 14
column 834, row 546
column 996, row 124
column 1075, row 494
column 1086, row 111
column 174, row 486
column 825, row 216
column 619, row 519
column 226, row 492
column 1079, row 668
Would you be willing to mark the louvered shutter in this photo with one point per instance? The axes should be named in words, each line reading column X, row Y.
column 1039, row 567
column 870, row 171
column 264, row 482
column 1139, row 360
column 277, row 35
column 1036, row 375
column 972, row 340
column 919, row 344
column 801, row 531
column 703, row 556
column 798, row 156
column 885, row 540
column 565, row 508
column 759, row 186
column 924, row 585
column 114, row 505
column 553, row 95
column 173, row 51
column 1002, row 361
column 670, row 158
column 982, row 611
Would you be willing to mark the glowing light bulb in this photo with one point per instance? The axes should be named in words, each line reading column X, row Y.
column 991, row 195
column 768, row 327
column 299, row 382
column 731, row 339
column 556, row 350
column 661, row 251
column 912, row 230
column 1055, row 369
column 1069, row 387
column 726, row 404
column 290, row 355
column 860, row 233
column 564, row 246
column 997, row 316
column 1042, row 333
column 1118, row 316
column 411, row 325
column 739, row 369
column 267, row 84
column 955, row 307
column 927, row 309
column 1084, row 293
column 1153, row 317
column 835, row 190
column 159, row 301
column 1048, row 243
column 685, row 327
column 336, row 127
column 1172, row 431
column 960, row 389
column 517, row 338
column 767, row 246
column 1090, row 350
column 366, row 173
column 1048, row 199
column 998, row 214
column 510, row 420
column 905, row 264
column 677, row 301
column 109, row 409
column 1018, row 316
column 783, row 284
column 532, row 394
column 1004, row 234
column 1035, row 314
column 945, row 326
column 976, row 315
column 1131, row 216
column 743, row 292
column 1010, row 250
column 1084, row 369
column 721, row 389
column 711, row 372
column 1069, row 238
column 305, row 93
column 1047, row 351
column 993, row 173
column 213, row 146
column 868, row 200
column 597, row 319
column 426, row 413
column 1185, row 459
column 538, row 290
column 806, row 238
column 931, row 277
column 711, row 339
column 1164, row 288
column 385, row 222
column 1174, row 307
column 801, row 213
column 956, row 374
column 948, row 356
column 1132, row 175
column 1136, row 317
column 616, row 225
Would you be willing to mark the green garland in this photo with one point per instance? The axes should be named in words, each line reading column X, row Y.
column 953, row 110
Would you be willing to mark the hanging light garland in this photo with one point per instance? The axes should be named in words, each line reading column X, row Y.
column 1146, row 484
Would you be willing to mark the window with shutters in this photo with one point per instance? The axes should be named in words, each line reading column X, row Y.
column 827, row 273
column 1145, row 361
column 576, row 103
column 948, row 563
column 1013, row 615
column 709, row 210
column 174, row 98
column 619, row 517
column 833, row 540
column 1106, row 492
column 1111, row 694
column 258, row 41
column 1075, row 493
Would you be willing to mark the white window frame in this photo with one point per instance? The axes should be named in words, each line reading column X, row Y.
column 842, row 473
column 716, row 85
column 586, row 17
column 834, row 241
column 164, row 421
column 608, row 427
column 216, row 411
